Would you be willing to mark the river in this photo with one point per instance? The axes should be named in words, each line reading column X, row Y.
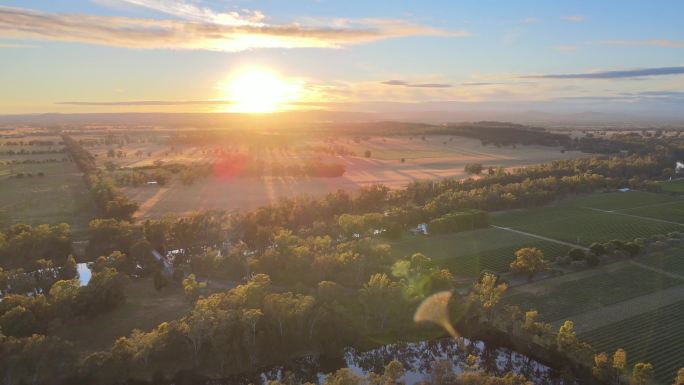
column 418, row 358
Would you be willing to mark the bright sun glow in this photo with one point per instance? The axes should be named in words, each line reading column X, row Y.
column 260, row 91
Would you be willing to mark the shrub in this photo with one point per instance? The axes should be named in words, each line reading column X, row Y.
column 598, row 249
column 563, row 260
column 616, row 244
column 592, row 260
column 632, row 249
column 576, row 254
column 473, row 168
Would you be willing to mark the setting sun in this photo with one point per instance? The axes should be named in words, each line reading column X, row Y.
column 260, row 91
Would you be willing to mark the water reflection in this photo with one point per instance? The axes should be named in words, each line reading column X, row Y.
column 417, row 358
column 84, row 273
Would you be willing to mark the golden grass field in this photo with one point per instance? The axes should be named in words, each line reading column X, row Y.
column 433, row 158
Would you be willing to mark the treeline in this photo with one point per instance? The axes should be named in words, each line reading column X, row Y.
column 65, row 300
column 111, row 202
column 31, row 143
column 235, row 166
column 504, row 134
column 597, row 145
column 631, row 143
column 33, row 161
column 621, row 169
column 459, row 221
column 136, row 178
column 23, row 246
column 34, row 282
column 32, row 152
column 22, row 175
column 529, row 193
column 488, row 132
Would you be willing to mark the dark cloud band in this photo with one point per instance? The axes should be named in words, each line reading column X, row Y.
column 415, row 85
column 637, row 73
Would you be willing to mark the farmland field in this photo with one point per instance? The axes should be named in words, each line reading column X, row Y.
column 468, row 253
column 675, row 186
column 656, row 337
column 144, row 309
column 622, row 200
column 636, row 203
column 394, row 161
column 581, row 220
column 577, row 220
column 42, row 188
column 671, row 260
column 670, row 211
column 607, row 301
column 561, row 299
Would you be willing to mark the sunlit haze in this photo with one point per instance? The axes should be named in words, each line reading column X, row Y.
column 259, row 91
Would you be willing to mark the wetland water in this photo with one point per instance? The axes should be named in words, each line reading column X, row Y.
column 418, row 359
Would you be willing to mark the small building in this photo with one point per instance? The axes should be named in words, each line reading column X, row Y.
column 420, row 229
column 679, row 167
column 165, row 261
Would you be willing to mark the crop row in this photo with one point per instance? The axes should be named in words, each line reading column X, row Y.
column 584, row 226
column 498, row 260
column 656, row 337
column 670, row 260
column 563, row 300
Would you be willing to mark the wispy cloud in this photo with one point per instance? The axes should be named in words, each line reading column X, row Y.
column 416, row 85
column 662, row 94
column 482, row 84
column 13, row 45
column 631, row 97
column 148, row 103
column 621, row 74
column 193, row 11
column 574, row 18
column 395, row 83
column 653, row 42
column 230, row 35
